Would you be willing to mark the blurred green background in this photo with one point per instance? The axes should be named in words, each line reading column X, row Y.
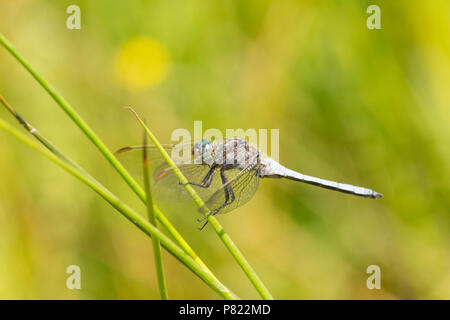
column 367, row 107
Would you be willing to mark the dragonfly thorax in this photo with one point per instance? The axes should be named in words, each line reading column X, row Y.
column 235, row 153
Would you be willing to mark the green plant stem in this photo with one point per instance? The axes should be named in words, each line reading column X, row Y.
column 229, row 244
column 151, row 217
column 128, row 213
column 49, row 145
column 35, row 133
column 102, row 148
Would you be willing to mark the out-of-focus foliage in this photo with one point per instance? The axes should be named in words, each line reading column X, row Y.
column 367, row 107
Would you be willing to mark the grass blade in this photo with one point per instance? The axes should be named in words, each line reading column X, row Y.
column 126, row 211
column 229, row 244
column 151, row 217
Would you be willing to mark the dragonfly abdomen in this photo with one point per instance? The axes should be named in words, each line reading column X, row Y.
column 273, row 169
column 333, row 185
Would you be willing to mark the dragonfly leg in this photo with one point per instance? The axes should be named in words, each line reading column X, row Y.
column 207, row 180
column 229, row 198
column 229, row 194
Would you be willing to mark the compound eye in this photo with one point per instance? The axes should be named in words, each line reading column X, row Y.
column 204, row 143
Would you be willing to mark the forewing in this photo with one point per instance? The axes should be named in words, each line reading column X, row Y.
column 131, row 157
column 244, row 185
column 167, row 187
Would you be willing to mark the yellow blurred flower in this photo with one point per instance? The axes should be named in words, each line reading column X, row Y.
column 141, row 62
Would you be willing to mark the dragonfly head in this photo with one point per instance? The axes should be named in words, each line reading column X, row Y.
column 204, row 150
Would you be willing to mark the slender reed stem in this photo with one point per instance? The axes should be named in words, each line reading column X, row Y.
column 52, row 148
column 151, row 217
column 127, row 212
column 101, row 147
column 229, row 244
column 35, row 133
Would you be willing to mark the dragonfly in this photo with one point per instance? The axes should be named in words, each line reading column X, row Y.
column 225, row 174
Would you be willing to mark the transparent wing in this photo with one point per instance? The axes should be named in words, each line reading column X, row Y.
column 167, row 187
column 131, row 156
column 138, row 149
column 243, row 185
